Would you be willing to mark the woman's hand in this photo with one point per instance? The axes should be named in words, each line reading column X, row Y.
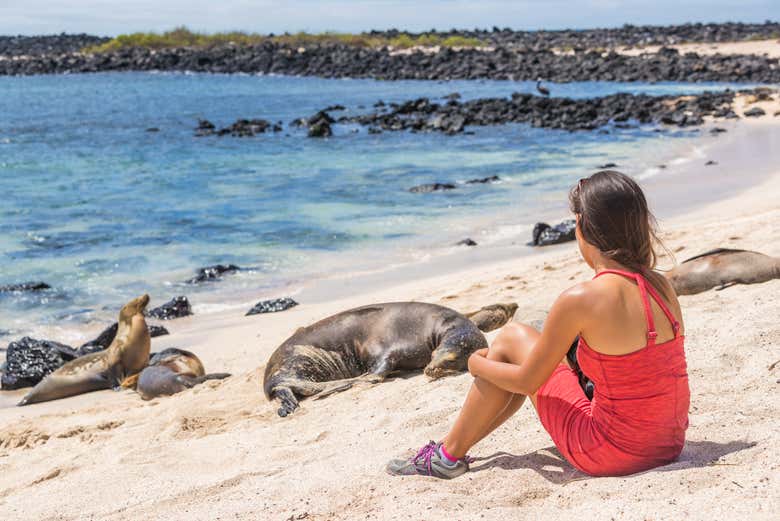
column 479, row 353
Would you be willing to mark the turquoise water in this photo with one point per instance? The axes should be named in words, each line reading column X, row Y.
column 103, row 210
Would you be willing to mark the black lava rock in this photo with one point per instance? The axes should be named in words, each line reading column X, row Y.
column 241, row 128
column 24, row 286
column 545, row 235
column 484, row 180
column 432, row 187
column 212, row 273
column 272, row 306
column 29, row 360
column 710, row 163
column 176, row 308
column 755, row 112
column 422, row 115
column 607, row 165
column 466, row 242
column 319, row 124
column 717, row 130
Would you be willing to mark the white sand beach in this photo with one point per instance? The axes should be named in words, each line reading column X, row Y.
column 219, row 451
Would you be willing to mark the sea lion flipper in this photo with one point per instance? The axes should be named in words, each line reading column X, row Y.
column 287, row 401
column 192, row 381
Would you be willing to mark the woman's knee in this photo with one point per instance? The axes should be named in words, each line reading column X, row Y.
column 513, row 343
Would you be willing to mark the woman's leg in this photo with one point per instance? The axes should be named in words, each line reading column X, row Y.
column 488, row 406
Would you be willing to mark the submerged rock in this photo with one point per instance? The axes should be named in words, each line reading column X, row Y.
column 272, row 306
column 484, row 180
column 432, row 187
column 24, row 286
column 213, row 272
column 29, row 360
column 545, row 235
column 241, row 128
column 176, row 308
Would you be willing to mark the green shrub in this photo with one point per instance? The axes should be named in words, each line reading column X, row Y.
column 183, row 37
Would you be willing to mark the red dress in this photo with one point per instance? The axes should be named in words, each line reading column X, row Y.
column 639, row 413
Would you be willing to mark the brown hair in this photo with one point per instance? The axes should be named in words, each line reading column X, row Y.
column 615, row 218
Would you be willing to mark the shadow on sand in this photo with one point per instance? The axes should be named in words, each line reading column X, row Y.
column 549, row 463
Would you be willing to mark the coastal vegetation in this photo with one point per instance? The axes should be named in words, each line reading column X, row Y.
column 183, row 37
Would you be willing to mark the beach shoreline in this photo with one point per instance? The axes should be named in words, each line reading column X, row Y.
column 220, row 451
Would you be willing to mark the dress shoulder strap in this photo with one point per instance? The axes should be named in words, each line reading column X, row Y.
column 644, row 289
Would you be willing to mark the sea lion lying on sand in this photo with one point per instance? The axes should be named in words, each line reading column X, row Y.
column 368, row 343
column 127, row 355
column 722, row 267
column 169, row 372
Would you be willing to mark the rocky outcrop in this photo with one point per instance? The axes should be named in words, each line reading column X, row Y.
column 241, row 128
column 175, row 308
column 620, row 110
column 29, row 360
column 431, row 187
column 214, row 272
column 545, row 235
column 272, row 306
column 24, row 287
column 508, row 62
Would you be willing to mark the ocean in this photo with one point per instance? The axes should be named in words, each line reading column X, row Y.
column 104, row 210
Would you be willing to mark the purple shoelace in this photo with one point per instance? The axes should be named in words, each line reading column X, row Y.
column 427, row 452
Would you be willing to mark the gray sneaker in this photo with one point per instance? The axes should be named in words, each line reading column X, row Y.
column 428, row 462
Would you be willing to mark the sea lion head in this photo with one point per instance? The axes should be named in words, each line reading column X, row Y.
column 179, row 361
column 133, row 308
column 445, row 362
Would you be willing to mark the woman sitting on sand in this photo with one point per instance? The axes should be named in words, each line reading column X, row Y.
column 631, row 339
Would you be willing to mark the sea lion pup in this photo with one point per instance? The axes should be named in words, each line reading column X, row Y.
column 169, row 372
column 722, row 267
column 492, row 317
column 366, row 344
column 127, row 355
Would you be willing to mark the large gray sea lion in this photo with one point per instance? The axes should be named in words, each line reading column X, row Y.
column 126, row 356
column 366, row 344
column 169, row 372
column 721, row 268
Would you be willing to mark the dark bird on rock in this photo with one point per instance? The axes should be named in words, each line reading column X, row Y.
column 544, row 91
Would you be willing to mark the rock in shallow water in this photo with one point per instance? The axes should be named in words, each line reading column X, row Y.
column 24, row 286
column 545, row 235
column 272, row 306
column 176, row 308
column 466, row 242
column 484, row 180
column 213, row 272
column 29, row 360
column 432, row 187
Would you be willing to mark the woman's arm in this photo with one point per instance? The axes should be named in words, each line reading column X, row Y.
column 565, row 321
